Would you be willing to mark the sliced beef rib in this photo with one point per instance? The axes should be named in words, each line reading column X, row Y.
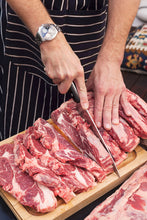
column 67, row 116
column 138, row 103
column 61, row 149
column 136, row 121
column 75, row 178
column 128, row 202
column 122, row 133
column 41, row 174
column 27, row 191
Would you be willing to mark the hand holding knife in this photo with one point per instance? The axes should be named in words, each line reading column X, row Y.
column 96, row 130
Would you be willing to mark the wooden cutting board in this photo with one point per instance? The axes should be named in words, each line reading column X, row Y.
column 134, row 160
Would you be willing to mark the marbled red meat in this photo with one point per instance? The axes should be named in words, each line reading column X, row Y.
column 138, row 103
column 136, row 121
column 21, row 185
column 63, row 178
column 61, row 149
column 67, row 116
column 118, row 154
column 41, row 174
column 122, row 133
column 128, row 202
column 92, row 146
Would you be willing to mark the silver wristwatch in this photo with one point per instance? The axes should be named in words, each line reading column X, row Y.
column 46, row 32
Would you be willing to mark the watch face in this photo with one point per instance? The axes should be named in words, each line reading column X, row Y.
column 48, row 32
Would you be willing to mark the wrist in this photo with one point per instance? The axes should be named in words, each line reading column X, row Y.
column 112, row 53
column 47, row 32
column 53, row 44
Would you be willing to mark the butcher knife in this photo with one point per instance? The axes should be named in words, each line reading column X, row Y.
column 76, row 98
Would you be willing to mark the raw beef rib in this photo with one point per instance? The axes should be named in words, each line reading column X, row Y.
column 122, row 133
column 45, row 164
column 21, row 185
column 41, row 174
column 82, row 136
column 136, row 121
column 61, row 149
column 129, row 202
column 138, row 103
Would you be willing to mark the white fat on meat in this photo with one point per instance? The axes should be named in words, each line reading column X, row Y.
column 80, row 177
column 128, row 202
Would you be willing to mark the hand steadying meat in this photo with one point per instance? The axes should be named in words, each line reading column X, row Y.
column 109, row 88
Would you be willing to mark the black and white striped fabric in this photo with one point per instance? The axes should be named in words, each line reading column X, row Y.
column 26, row 93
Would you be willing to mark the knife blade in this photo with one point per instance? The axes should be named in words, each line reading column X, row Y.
column 76, row 98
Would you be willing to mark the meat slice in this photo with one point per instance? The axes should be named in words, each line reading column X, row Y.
column 93, row 148
column 124, row 135
column 21, row 185
column 138, row 103
column 41, row 174
column 67, row 117
column 138, row 118
column 75, row 178
column 75, row 158
column 64, row 151
column 118, row 154
column 83, row 137
column 128, row 202
column 136, row 121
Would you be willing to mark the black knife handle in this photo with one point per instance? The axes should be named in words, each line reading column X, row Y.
column 74, row 92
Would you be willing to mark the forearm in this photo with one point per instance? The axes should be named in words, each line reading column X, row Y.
column 120, row 17
column 32, row 13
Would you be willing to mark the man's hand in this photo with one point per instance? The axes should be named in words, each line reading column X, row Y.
column 63, row 66
column 109, row 90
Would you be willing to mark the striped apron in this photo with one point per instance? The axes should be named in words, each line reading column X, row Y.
column 26, row 92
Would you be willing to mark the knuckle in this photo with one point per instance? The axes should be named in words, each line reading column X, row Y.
column 101, row 90
column 98, row 109
column 60, row 76
column 80, row 71
column 107, row 107
column 115, row 105
column 82, row 89
column 110, row 91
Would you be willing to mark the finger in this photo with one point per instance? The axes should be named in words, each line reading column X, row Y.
column 45, row 69
column 82, row 91
column 50, row 73
column 89, row 83
column 57, row 81
column 64, row 86
column 125, row 104
column 115, row 112
column 56, row 74
column 98, row 107
column 107, row 112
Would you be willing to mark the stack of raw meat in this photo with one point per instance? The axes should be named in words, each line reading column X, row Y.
column 41, row 165
column 122, row 138
column 128, row 202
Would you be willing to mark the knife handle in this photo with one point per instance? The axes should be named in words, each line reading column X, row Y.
column 74, row 92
